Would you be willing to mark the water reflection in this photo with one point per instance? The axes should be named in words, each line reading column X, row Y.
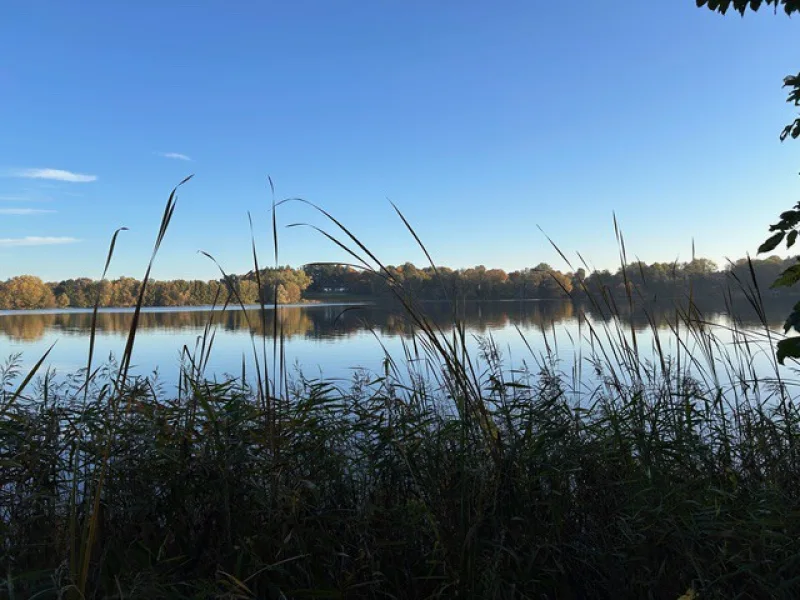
column 337, row 321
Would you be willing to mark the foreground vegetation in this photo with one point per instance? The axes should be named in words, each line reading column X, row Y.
column 635, row 473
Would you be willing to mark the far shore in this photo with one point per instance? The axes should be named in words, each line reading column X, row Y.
column 193, row 308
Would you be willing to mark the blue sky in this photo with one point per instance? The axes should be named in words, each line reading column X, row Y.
column 480, row 120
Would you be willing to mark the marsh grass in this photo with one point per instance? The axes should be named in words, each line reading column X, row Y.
column 639, row 473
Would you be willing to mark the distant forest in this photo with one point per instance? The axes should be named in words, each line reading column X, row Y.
column 658, row 280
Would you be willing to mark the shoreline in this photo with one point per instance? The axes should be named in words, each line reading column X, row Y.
column 168, row 309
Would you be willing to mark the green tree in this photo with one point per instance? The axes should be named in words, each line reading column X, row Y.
column 81, row 292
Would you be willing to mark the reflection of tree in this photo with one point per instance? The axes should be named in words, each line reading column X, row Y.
column 477, row 317
column 26, row 327
column 708, row 308
column 120, row 322
column 292, row 321
column 341, row 321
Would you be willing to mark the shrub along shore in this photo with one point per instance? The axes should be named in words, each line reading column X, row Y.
column 637, row 474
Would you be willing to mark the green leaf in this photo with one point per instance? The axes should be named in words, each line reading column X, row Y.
column 771, row 242
column 741, row 6
column 790, row 239
column 789, row 348
column 789, row 277
column 793, row 320
column 789, row 219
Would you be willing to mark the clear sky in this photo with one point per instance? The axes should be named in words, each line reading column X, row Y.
column 481, row 120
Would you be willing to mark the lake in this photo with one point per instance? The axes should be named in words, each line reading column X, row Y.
column 333, row 339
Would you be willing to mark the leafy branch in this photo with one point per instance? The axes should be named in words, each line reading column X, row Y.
column 787, row 228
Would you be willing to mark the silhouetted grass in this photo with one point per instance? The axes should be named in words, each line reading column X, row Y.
column 640, row 473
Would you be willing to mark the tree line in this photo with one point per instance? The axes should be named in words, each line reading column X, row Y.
column 700, row 276
column 286, row 285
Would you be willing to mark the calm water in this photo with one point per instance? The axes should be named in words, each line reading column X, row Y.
column 327, row 339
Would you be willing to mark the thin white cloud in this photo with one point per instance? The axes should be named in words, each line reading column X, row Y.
column 33, row 240
column 24, row 211
column 52, row 174
column 25, row 198
column 176, row 155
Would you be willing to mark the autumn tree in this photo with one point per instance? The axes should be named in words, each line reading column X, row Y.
column 26, row 292
column 248, row 291
column 124, row 291
column 284, row 284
